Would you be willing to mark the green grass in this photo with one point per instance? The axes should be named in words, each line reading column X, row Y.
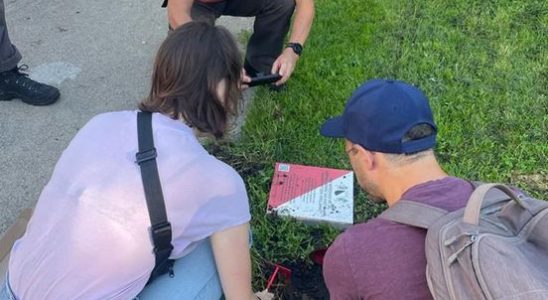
column 482, row 64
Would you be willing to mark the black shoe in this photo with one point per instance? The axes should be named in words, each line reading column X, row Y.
column 15, row 84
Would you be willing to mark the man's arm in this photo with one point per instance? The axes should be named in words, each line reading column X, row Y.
column 178, row 12
column 304, row 16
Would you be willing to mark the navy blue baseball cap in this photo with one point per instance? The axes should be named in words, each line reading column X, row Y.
column 380, row 113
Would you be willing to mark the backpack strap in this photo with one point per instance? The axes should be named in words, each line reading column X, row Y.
column 413, row 213
column 487, row 194
column 160, row 229
column 164, row 4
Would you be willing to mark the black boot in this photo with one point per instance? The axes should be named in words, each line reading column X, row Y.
column 15, row 84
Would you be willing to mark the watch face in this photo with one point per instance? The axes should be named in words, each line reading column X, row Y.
column 296, row 47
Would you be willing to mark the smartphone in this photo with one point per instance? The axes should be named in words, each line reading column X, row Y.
column 264, row 79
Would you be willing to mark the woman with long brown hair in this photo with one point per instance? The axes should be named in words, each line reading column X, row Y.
column 89, row 235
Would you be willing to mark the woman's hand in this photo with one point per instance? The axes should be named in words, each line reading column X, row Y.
column 245, row 80
column 264, row 295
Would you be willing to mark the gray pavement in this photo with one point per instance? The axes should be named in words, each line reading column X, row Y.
column 99, row 53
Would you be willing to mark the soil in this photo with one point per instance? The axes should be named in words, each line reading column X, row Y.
column 242, row 165
column 306, row 283
column 532, row 182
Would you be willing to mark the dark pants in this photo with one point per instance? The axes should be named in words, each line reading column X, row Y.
column 9, row 55
column 272, row 20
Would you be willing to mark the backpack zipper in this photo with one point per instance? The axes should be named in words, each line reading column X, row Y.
column 453, row 258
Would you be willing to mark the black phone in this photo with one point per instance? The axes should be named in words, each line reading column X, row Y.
column 264, row 79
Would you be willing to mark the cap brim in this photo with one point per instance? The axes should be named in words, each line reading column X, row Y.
column 333, row 128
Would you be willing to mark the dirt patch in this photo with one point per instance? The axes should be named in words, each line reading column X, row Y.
column 306, row 279
column 243, row 166
column 532, row 183
column 306, row 283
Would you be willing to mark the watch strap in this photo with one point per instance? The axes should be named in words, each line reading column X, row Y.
column 297, row 48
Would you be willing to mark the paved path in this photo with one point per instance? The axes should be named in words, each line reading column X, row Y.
column 99, row 53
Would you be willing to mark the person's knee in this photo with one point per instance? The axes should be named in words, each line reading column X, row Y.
column 284, row 5
column 287, row 4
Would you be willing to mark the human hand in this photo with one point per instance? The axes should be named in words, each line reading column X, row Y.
column 264, row 295
column 285, row 64
column 244, row 81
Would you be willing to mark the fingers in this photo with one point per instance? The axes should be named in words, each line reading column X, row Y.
column 284, row 65
column 245, row 77
column 283, row 73
column 244, row 80
column 276, row 65
column 286, row 70
column 265, row 295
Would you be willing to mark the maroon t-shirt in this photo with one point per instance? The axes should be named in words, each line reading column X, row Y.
column 385, row 260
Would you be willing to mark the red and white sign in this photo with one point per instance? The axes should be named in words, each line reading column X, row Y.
column 313, row 194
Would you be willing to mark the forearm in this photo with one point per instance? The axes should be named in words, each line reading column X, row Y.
column 232, row 257
column 304, row 16
column 178, row 12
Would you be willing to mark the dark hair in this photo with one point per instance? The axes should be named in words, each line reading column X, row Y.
column 190, row 64
column 418, row 132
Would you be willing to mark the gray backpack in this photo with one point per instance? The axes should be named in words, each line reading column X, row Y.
column 494, row 248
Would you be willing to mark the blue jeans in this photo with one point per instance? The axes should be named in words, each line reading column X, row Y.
column 6, row 293
column 196, row 277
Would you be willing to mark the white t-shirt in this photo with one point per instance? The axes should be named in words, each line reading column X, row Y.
column 88, row 237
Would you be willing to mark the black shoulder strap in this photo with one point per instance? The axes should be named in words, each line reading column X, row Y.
column 160, row 229
column 164, row 4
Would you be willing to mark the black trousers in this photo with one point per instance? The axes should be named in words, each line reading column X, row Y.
column 272, row 21
column 9, row 55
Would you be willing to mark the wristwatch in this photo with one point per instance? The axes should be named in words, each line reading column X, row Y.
column 297, row 48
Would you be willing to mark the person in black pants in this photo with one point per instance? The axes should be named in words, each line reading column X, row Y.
column 13, row 82
column 265, row 53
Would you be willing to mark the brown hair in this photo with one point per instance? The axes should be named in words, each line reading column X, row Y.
column 189, row 66
column 416, row 132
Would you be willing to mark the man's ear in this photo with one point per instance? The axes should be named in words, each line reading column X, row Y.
column 366, row 157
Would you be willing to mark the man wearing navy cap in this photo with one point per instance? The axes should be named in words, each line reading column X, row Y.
column 389, row 134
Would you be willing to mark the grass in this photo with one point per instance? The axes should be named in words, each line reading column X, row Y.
column 482, row 63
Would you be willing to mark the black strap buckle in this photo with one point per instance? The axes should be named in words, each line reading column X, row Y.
column 161, row 236
column 146, row 155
